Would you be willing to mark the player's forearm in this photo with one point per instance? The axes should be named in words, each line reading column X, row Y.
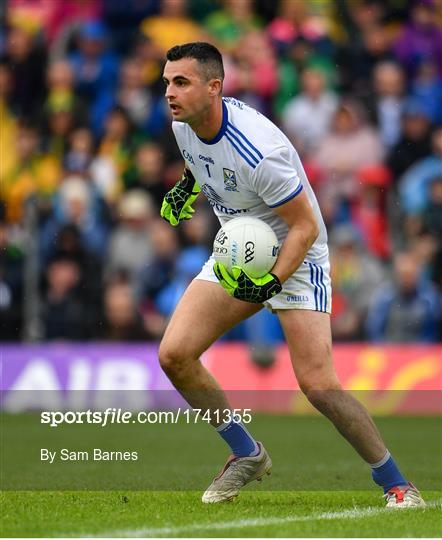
column 299, row 240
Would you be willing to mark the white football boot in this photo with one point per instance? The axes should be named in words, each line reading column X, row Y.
column 404, row 497
column 236, row 473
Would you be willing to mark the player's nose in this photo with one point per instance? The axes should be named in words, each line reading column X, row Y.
column 169, row 92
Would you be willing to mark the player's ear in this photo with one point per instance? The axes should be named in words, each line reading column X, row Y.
column 215, row 87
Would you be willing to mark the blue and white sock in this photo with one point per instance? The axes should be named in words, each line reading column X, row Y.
column 386, row 473
column 239, row 439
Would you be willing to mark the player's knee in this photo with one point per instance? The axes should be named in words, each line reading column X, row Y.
column 167, row 357
column 323, row 395
column 319, row 387
column 172, row 359
column 323, row 399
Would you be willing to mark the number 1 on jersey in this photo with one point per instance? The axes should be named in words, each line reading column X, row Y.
column 208, row 170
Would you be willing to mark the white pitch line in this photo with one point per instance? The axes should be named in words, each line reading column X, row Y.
column 355, row 513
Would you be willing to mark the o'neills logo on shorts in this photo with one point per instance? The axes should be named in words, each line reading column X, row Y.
column 297, row 298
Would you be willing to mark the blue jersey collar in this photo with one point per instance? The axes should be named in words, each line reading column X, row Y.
column 221, row 132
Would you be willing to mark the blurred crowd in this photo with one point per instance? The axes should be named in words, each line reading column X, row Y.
column 87, row 153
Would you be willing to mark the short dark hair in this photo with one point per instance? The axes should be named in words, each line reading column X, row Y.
column 205, row 53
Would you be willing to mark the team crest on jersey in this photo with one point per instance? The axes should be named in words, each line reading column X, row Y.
column 230, row 180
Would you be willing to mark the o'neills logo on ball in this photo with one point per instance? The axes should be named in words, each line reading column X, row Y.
column 249, row 253
column 221, row 237
column 234, row 252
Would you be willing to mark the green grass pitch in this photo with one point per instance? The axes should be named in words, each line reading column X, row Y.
column 318, row 486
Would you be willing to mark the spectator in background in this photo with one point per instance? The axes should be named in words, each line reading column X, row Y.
column 132, row 94
column 228, row 24
column 80, row 152
column 307, row 117
column 171, row 26
column 156, row 275
column 33, row 15
column 122, row 17
column 386, row 102
column 63, row 109
column 413, row 186
column 369, row 211
column 147, row 172
column 145, row 110
column 28, row 65
column 426, row 248
column 151, row 60
column 432, row 216
column 355, row 274
column 34, row 173
column 11, row 287
column 357, row 17
column 301, row 55
column 8, row 125
column 116, row 147
column 65, row 17
column 81, row 160
column 350, row 145
column 427, row 90
column 68, row 244
column 122, row 322
column 95, row 71
column 423, row 230
column 406, row 310
column 77, row 203
column 420, row 40
column 199, row 232
column 414, row 143
column 160, row 270
column 64, row 316
column 61, row 121
column 357, row 59
column 253, row 75
column 295, row 20
column 60, row 87
column 188, row 264
column 130, row 247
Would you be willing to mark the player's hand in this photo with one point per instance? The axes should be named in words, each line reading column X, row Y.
column 243, row 287
column 177, row 202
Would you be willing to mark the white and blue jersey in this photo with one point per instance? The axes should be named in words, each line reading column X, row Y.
column 249, row 168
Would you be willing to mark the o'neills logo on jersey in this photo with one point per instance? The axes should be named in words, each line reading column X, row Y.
column 230, row 180
column 206, row 159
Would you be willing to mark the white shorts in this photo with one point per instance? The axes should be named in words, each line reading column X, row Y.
column 308, row 288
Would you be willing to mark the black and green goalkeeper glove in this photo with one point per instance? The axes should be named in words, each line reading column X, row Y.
column 243, row 287
column 177, row 202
